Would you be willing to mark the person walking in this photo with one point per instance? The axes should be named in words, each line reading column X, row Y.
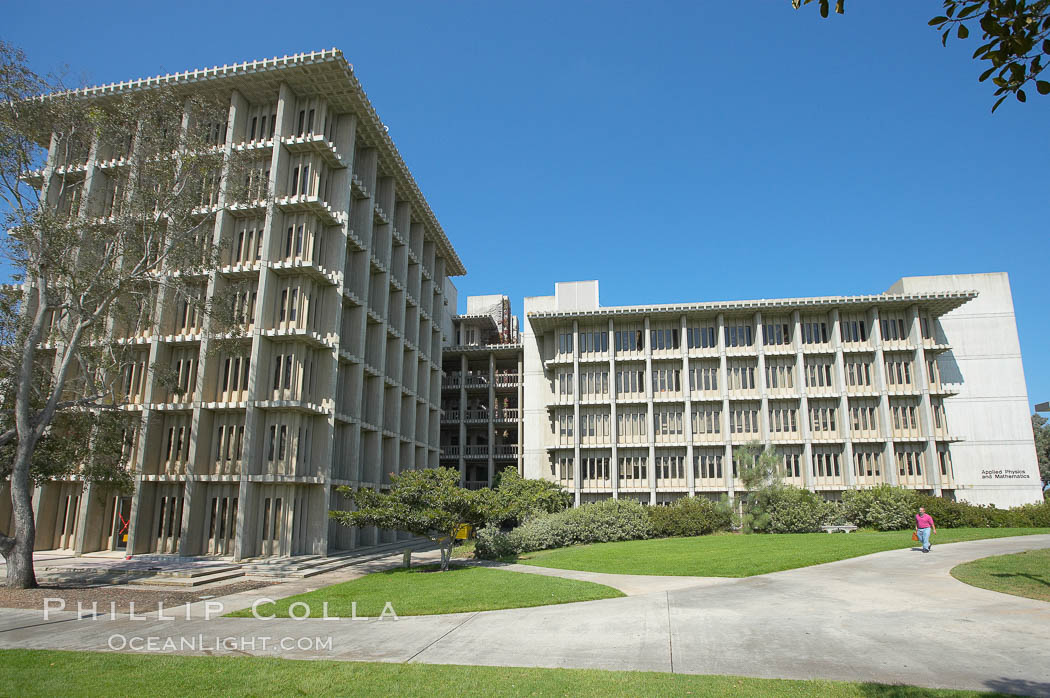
column 924, row 526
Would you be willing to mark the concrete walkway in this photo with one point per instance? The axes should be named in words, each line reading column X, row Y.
column 891, row 617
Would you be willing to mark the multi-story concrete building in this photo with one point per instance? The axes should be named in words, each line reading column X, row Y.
column 921, row 386
column 338, row 378
column 481, row 392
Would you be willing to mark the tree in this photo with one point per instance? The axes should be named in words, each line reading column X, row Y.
column 428, row 503
column 516, row 499
column 1041, row 429
column 759, row 470
column 93, row 250
column 1016, row 35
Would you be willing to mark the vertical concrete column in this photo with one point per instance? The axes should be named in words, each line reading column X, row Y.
column 520, row 421
column 723, row 383
column 687, row 415
column 933, row 468
column 613, row 433
column 650, row 411
column 885, row 425
column 803, row 409
column 462, row 420
column 760, row 380
column 840, row 388
column 576, row 463
column 491, row 413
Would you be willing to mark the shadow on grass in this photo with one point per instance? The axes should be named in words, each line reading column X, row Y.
column 1019, row 687
column 1011, row 575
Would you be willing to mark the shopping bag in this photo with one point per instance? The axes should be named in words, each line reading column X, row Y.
column 914, row 535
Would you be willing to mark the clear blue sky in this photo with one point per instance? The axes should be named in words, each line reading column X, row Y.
column 674, row 151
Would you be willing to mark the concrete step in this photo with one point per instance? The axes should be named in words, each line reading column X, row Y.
column 194, row 581
column 189, row 572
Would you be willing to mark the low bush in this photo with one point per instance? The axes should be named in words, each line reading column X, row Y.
column 1032, row 515
column 884, row 508
column 600, row 522
column 790, row 509
column 690, row 516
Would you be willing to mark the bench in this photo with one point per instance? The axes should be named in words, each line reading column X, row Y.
column 844, row 528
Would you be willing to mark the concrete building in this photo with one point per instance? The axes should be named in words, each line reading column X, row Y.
column 481, row 392
column 921, row 386
column 347, row 391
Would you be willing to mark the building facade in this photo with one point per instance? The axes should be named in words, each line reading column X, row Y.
column 481, row 393
column 921, row 386
column 337, row 380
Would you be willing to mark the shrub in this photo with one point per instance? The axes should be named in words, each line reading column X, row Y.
column 1031, row 515
column 493, row 544
column 884, row 508
column 601, row 522
column 690, row 516
column 517, row 499
column 794, row 510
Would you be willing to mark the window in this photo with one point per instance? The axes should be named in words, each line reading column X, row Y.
column 826, row 463
column 701, row 337
column 633, row 470
column 594, row 342
column 853, row 330
column 792, row 464
column 909, row 460
column 743, row 420
column 594, row 384
column 740, row 375
column 776, row 334
column 704, row 377
column 893, row 328
column 898, row 372
column 707, row 420
column 594, row 468
column 565, row 343
column 822, row 418
column 662, row 339
column 628, row 340
column 858, row 373
column 814, row 332
column 670, row 467
column 783, row 418
column 666, row 380
column 780, row 374
column 631, row 426
column 818, row 373
column 565, row 383
column 630, row 381
column 668, row 423
column 707, row 466
column 738, row 335
column 867, row 461
column 864, row 418
column 565, row 429
column 905, row 417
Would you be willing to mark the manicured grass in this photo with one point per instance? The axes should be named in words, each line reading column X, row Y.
column 49, row 673
column 423, row 591
column 1021, row 574
column 743, row 555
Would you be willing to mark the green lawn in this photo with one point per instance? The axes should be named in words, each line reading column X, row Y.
column 423, row 591
column 47, row 673
column 742, row 555
column 1021, row 574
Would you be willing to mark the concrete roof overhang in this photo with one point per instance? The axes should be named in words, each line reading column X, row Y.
column 936, row 303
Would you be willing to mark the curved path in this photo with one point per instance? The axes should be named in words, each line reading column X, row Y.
column 890, row 617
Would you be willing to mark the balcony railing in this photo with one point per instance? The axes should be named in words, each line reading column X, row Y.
column 505, row 451
column 509, row 414
column 477, row 484
column 508, row 379
column 450, row 451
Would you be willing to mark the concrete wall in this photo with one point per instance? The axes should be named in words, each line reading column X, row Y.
column 537, row 393
column 995, row 463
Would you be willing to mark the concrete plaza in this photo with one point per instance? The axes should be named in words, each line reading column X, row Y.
column 891, row 617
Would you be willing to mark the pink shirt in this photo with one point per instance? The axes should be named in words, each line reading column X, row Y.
column 923, row 521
